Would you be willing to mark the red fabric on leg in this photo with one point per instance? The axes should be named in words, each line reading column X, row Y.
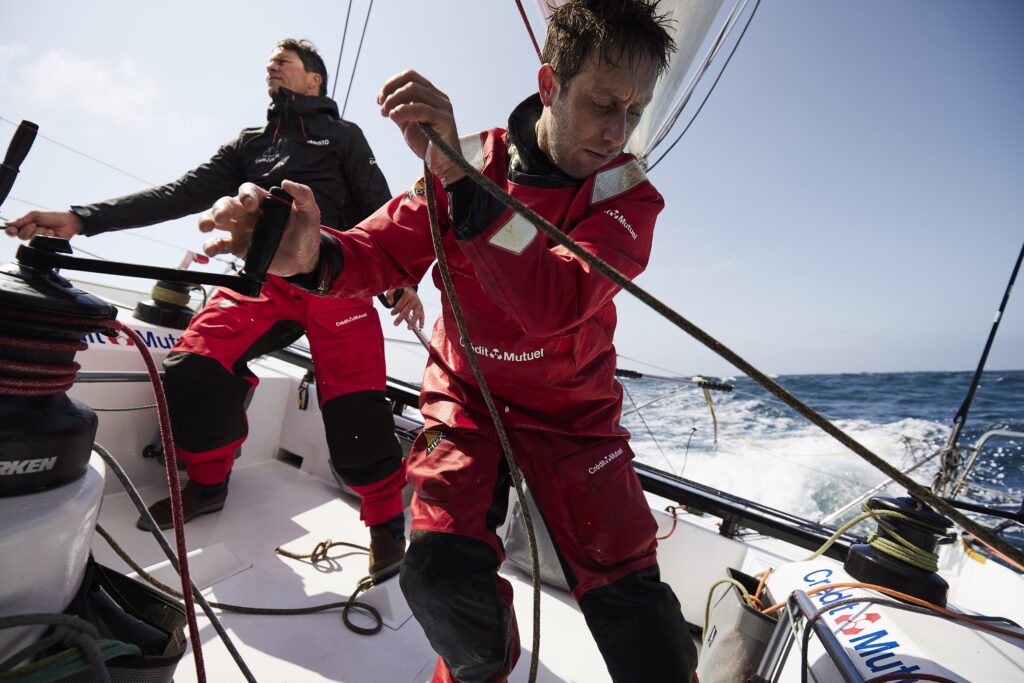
column 210, row 467
column 441, row 674
column 381, row 500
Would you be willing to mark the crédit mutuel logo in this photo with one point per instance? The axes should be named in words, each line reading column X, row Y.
column 508, row 356
column 606, row 460
column 862, row 630
column 621, row 220
column 350, row 319
column 268, row 157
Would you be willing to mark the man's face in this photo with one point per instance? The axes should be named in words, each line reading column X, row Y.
column 587, row 123
column 285, row 69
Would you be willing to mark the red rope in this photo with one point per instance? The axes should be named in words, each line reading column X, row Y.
column 174, row 487
column 39, row 368
column 39, row 379
column 63, row 321
column 35, row 386
column 48, row 379
column 529, row 29
column 25, row 343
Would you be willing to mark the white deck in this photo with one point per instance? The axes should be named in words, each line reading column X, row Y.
column 272, row 504
column 282, row 494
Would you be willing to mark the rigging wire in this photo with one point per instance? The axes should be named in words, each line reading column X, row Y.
column 538, row 222
column 683, row 99
column 950, row 459
column 130, row 233
column 344, row 34
column 87, row 156
column 711, row 89
column 359, row 51
column 650, row 365
column 650, row 433
column 23, row 201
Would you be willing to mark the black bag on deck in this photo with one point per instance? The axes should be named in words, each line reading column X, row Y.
column 142, row 634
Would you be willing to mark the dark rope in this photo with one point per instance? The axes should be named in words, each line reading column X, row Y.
column 319, row 554
column 71, row 630
column 136, row 499
column 515, row 473
column 710, row 342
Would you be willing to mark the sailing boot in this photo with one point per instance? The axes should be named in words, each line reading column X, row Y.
column 196, row 499
column 387, row 548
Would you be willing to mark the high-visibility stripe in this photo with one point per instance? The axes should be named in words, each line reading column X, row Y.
column 473, row 150
column 515, row 236
column 615, row 181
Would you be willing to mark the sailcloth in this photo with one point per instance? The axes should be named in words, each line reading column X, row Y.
column 698, row 27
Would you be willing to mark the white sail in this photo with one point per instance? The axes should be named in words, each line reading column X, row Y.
column 693, row 22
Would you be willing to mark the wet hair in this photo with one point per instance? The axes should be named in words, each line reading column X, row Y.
column 312, row 62
column 633, row 30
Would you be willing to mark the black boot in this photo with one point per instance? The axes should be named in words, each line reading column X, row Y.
column 387, row 548
column 196, row 499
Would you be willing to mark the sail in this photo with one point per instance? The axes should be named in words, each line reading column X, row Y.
column 692, row 24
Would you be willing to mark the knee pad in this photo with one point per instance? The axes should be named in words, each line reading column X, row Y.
column 361, row 437
column 206, row 402
column 451, row 585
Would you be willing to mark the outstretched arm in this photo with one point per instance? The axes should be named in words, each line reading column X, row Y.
column 191, row 193
column 62, row 224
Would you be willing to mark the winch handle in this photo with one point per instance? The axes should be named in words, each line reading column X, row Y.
column 17, row 150
column 267, row 234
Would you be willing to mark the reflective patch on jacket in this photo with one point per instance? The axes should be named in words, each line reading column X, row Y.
column 515, row 236
column 615, row 181
column 473, row 150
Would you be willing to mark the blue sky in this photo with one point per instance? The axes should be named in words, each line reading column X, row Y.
column 848, row 200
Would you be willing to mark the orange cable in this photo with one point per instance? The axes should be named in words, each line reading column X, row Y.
column 998, row 554
column 908, row 598
column 760, row 586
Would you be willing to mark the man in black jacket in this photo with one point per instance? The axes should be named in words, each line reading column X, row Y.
column 207, row 379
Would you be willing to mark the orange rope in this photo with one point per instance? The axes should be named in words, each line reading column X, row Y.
column 1001, row 556
column 760, row 586
column 911, row 599
column 674, row 511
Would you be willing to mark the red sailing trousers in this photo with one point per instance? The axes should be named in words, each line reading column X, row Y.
column 208, row 384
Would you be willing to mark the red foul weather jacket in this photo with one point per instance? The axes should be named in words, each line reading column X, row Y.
column 540, row 320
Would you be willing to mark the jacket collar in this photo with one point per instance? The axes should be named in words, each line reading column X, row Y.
column 527, row 163
column 284, row 102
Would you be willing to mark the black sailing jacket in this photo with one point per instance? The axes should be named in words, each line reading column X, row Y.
column 305, row 140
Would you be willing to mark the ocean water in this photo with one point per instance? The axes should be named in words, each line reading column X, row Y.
column 767, row 452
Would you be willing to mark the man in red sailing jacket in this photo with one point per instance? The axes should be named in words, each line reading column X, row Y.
column 540, row 323
column 207, row 379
